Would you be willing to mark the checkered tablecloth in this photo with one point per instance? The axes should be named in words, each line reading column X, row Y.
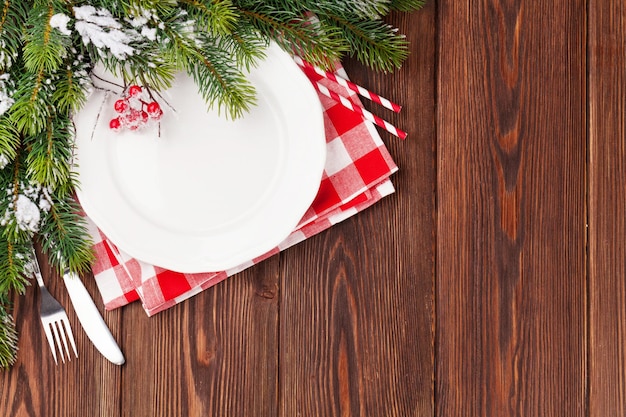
column 356, row 175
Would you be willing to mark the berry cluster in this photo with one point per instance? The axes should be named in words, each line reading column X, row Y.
column 134, row 111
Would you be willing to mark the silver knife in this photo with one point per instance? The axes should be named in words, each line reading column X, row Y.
column 91, row 320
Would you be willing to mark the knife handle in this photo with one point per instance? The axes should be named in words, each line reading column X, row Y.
column 91, row 320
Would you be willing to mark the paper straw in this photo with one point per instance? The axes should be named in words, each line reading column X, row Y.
column 360, row 110
column 349, row 85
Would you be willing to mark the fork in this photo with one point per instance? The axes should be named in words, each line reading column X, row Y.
column 54, row 318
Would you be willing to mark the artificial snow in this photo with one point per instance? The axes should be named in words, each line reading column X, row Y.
column 59, row 21
column 4, row 161
column 149, row 33
column 6, row 99
column 25, row 211
column 100, row 28
column 26, row 214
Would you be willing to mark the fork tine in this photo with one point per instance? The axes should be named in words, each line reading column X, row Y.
column 46, row 329
column 55, row 330
column 70, row 336
column 63, row 331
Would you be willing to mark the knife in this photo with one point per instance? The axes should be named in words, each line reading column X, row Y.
column 91, row 320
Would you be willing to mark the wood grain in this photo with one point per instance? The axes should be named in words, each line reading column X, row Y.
column 36, row 387
column 357, row 302
column 607, row 208
column 215, row 354
column 511, row 271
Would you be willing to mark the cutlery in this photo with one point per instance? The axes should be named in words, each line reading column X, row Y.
column 53, row 318
column 91, row 320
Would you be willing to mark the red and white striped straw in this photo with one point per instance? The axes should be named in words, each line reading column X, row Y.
column 349, row 85
column 360, row 110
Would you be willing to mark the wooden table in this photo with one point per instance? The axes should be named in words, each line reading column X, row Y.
column 491, row 284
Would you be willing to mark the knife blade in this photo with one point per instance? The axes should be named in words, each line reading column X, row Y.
column 91, row 320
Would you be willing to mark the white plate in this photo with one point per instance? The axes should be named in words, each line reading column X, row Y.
column 205, row 193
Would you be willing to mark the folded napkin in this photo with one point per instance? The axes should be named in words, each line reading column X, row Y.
column 356, row 175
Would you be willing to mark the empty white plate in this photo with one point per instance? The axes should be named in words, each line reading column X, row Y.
column 200, row 192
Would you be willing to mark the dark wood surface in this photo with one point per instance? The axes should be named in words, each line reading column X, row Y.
column 607, row 205
column 511, row 255
column 492, row 283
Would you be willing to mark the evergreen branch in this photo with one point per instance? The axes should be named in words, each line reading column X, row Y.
column 44, row 48
column 319, row 45
column 64, row 237
column 217, row 17
column 48, row 161
column 374, row 43
column 9, row 141
column 31, row 111
column 245, row 46
column 219, row 81
column 226, row 87
column 13, row 18
column 8, row 336
column 358, row 9
column 4, row 13
column 12, row 264
column 152, row 68
column 72, row 88
column 406, row 5
column 137, row 8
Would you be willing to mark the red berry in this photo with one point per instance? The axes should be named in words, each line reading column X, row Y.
column 134, row 90
column 144, row 116
column 115, row 124
column 121, row 106
column 133, row 115
column 153, row 106
column 154, row 110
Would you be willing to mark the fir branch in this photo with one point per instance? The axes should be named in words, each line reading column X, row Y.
column 31, row 109
column 72, row 87
column 12, row 231
column 320, row 45
column 9, row 141
column 44, row 48
column 13, row 258
column 226, row 87
column 374, row 42
column 217, row 17
column 48, row 160
column 105, row 33
column 151, row 65
column 406, row 5
column 245, row 46
column 64, row 237
column 138, row 7
column 12, row 19
column 219, row 81
column 8, row 336
column 359, row 9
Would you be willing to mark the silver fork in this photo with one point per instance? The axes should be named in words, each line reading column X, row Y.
column 54, row 318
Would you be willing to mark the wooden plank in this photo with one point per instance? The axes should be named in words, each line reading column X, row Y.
column 213, row 355
column 511, row 271
column 35, row 386
column 607, row 208
column 357, row 301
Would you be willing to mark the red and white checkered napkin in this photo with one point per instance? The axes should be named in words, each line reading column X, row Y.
column 356, row 176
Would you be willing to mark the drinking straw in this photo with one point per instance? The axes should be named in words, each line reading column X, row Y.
column 349, row 85
column 360, row 110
